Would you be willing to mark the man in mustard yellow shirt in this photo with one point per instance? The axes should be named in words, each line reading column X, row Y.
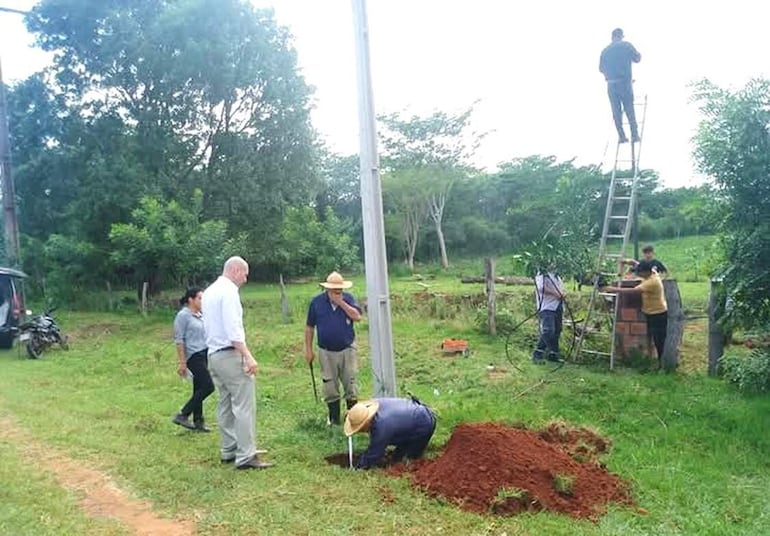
column 654, row 304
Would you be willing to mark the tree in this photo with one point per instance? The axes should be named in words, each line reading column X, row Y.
column 408, row 203
column 438, row 183
column 196, row 94
column 436, row 150
column 309, row 245
column 168, row 243
column 733, row 147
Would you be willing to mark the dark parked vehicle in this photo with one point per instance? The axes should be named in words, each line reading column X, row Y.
column 41, row 332
column 11, row 306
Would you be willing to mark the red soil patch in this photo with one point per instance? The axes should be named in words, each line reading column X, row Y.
column 492, row 468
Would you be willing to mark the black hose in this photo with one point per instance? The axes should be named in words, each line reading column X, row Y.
column 573, row 343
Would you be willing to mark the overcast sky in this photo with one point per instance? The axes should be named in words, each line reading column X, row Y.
column 532, row 66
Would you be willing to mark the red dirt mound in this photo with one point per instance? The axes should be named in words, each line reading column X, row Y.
column 491, row 468
column 580, row 443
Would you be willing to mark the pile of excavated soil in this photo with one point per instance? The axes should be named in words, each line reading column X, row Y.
column 496, row 469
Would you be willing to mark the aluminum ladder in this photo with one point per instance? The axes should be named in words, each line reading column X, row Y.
column 616, row 231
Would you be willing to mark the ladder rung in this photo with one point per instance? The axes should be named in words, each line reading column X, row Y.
column 622, row 198
column 613, row 256
column 596, row 352
column 618, row 217
column 617, row 236
column 607, row 294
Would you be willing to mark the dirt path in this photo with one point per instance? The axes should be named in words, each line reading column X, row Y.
column 99, row 495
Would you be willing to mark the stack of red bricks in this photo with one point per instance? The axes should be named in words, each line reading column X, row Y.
column 630, row 325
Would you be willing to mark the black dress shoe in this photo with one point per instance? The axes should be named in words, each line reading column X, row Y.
column 253, row 463
column 228, row 460
column 200, row 426
column 183, row 421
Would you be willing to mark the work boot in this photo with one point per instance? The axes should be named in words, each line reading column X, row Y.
column 351, row 402
column 334, row 412
column 635, row 138
column 622, row 139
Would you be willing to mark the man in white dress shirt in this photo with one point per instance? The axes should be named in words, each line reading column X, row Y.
column 232, row 366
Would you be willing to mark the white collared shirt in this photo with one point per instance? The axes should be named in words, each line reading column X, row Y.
column 548, row 302
column 222, row 315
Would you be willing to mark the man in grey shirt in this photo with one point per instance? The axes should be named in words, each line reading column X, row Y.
column 615, row 64
column 232, row 366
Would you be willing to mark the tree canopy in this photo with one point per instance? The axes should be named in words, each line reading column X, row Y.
column 733, row 147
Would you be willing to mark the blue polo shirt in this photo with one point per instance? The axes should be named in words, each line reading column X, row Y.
column 334, row 328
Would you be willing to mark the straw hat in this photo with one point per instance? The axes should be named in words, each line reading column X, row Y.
column 360, row 415
column 336, row 281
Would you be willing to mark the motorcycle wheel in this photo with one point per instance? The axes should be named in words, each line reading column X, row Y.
column 35, row 348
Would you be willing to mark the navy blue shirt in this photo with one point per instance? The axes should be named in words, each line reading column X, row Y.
column 398, row 421
column 615, row 61
column 334, row 327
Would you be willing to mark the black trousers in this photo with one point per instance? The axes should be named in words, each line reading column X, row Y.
column 203, row 385
column 657, row 326
column 621, row 93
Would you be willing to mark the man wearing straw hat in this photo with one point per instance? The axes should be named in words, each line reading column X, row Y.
column 332, row 314
column 406, row 423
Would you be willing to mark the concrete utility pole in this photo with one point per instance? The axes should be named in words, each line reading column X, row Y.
column 378, row 294
column 10, row 224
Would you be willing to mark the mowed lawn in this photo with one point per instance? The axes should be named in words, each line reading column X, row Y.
column 693, row 448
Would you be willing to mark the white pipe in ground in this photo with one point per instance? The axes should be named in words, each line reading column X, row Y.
column 350, row 451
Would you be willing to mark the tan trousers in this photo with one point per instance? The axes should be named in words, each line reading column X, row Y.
column 339, row 367
column 237, row 409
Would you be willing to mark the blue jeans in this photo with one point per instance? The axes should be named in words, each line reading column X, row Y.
column 550, row 332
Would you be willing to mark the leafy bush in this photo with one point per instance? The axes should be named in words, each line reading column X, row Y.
column 168, row 243
column 505, row 320
column 749, row 372
column 310, row 246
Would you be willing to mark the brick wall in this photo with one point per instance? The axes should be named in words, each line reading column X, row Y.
column 631, row 326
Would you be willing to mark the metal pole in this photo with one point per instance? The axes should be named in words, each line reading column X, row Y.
column 11, row 227
column 378, row 294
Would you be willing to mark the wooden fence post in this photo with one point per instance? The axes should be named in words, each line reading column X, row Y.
column 717, row 335
column 144, row 297
column 489, row 276
column 675, row 329
column 285, row 312
column 110, row 298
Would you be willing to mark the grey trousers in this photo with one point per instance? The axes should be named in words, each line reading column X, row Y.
column 339, row 366
column 236, row 411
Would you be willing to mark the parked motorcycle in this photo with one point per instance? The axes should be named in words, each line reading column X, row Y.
column 40, row 333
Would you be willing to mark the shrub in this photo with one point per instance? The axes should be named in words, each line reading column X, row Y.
column 505, row 320
column 749, row 372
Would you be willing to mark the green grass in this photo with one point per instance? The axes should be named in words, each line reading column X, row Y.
column 32, row 503
column 694, row 449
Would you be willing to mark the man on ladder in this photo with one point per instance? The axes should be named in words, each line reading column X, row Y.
column 615, row 65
